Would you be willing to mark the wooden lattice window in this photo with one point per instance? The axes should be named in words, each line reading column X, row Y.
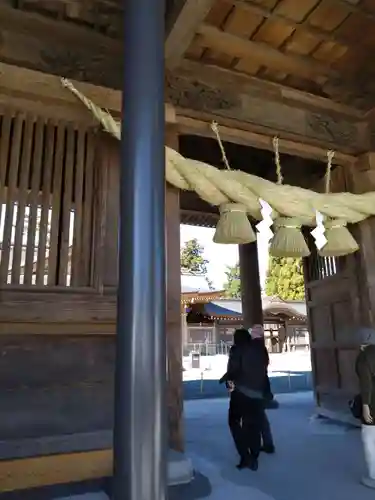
column 46, row 202
column 319, row 268
column 322, row 267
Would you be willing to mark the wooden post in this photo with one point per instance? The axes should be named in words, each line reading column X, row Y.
column 361, row 179
column 251, row 293
column 109, row 171
column 184, row 329
column 174, row 330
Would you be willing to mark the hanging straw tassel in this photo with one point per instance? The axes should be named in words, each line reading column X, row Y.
column 288, row 240
column 340, row 241
column 234, row 226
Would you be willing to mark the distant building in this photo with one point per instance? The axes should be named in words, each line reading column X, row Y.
column 209, row 319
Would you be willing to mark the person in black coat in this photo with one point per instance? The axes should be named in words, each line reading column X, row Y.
column 245, row 377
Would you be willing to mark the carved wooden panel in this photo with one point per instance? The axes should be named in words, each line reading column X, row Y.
column 246, row 105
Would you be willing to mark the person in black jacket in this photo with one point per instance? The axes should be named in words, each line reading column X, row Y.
column 245, row 376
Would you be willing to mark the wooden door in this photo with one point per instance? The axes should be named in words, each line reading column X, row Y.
column 332, row 304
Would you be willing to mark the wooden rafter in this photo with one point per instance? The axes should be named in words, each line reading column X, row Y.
column 353, row 7
column 43, row 93
column 246, row 83
column 240, row 47
column 21, row 23
column 261, row 140
column 318, row 33
column 182, row 24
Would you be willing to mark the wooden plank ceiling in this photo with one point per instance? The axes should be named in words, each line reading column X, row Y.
column 323, row 47
column 260, row 68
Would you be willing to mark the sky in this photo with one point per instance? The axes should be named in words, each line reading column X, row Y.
column 221, row 256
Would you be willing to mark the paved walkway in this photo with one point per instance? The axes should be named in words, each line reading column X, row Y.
column 289, row 372
column 315, row 460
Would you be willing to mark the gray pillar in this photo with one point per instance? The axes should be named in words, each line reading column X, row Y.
column 251, row 294
column 140, row 410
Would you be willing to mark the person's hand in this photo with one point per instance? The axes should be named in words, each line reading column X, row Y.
column 230, row 386
column 367, row 417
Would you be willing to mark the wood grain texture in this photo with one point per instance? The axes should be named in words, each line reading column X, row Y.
column 53, row 385
column 251, row 289
column 42, row 93
column 173, row 320
column 195, row 97
column 182, row 22
column 332, row 295
column 361, row 179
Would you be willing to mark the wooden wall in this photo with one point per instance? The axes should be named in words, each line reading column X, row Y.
column 58, row 296
column 55, row 385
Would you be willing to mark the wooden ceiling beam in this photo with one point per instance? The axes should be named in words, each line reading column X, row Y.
column 41, row 93
column 258, row 140
column 26, row 43
column 181, row 26
column 319, row 34
column 206, row 97
column 60, row 48
column 227, row 43
column 242, row 82
column 356, row 9
column 26, row 23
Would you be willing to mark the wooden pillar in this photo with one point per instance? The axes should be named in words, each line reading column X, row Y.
column 184, row 329
column 109, row 172
column 251, row 293
column 361, row 179
column 174, row 333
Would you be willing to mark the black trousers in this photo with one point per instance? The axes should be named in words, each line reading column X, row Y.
column 266, row 433
column 246, row 419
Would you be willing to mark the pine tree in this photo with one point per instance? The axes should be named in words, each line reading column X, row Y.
column 285, row 278
column 191, row 258
column 232, row 286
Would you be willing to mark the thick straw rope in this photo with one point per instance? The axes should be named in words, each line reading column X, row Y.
column 219, row 187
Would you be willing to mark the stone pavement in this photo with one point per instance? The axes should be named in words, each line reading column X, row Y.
column 315, row 459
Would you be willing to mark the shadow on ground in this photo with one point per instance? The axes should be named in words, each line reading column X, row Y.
column 315, row 459
column 282, row 382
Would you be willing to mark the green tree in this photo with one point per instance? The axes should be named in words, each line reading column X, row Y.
column 232, row 286
column 285, row 278
column 191, row 257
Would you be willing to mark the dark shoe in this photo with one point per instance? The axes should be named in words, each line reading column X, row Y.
column 253, row 464
column 243, row 463
column 270, row 450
